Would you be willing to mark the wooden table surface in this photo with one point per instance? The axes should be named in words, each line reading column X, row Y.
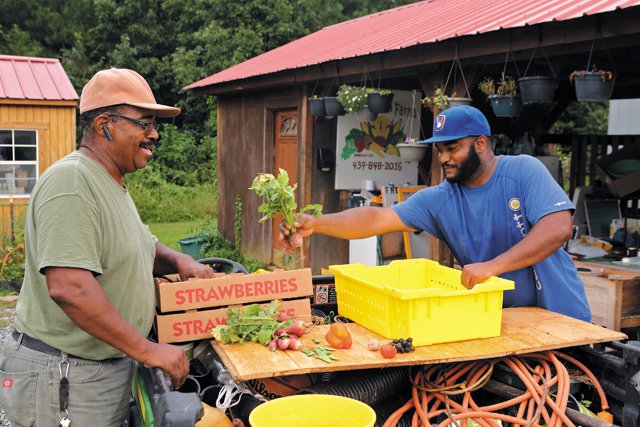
column 524, row 330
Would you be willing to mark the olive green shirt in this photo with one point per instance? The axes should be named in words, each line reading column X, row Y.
column 79, row 217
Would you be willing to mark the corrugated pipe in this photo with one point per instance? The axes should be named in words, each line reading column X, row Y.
column 370, row 386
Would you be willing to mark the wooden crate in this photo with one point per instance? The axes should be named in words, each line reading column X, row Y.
column 613, row 295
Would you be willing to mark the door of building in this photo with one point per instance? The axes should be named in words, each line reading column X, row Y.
column 286, row 156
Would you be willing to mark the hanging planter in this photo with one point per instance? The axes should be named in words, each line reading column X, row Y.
column 412, row 152
column 506, row 105
column 593, row 86
column 503, row 97
column 316, row 105
column 379, row 101
column 441, row 100
column 538, row 89
column 333, row 106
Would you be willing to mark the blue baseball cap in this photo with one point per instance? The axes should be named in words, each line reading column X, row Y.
column 459, row 122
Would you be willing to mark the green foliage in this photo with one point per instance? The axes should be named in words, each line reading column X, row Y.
column 279, row 198
column 12, row 256
column 217, row 246
column 487, row 86
column 352, row 98
column 237, row 223
column 160, row 201
column 438, row 99
column 583, row 118
column 251, row 323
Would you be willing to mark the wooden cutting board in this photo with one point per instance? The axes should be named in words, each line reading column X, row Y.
column 524, row 330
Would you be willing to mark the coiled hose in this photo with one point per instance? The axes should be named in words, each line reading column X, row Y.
column 433, row 386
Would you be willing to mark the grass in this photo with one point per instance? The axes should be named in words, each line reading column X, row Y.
column 170, row 232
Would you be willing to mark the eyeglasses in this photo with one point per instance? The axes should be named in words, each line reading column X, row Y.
column 148, row 127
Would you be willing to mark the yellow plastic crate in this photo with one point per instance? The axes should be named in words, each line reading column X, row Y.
column 421, row 299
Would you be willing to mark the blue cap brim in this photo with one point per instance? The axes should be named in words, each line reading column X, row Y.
column 442, row 138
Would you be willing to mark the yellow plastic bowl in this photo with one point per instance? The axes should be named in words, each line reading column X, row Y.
column 313, row 410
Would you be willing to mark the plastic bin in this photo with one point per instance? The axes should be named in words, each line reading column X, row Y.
column 421, row 299
column 192, row 245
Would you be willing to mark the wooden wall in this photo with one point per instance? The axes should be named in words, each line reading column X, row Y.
column 245, row 148
column 55, row 122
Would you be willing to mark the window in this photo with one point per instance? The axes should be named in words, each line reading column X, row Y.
column 18, row 162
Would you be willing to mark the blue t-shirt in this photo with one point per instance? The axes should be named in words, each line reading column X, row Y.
column 480, row 223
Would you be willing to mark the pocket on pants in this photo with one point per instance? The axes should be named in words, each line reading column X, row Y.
column 18, row 396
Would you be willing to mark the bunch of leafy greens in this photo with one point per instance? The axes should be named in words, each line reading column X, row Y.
column 252, row 323
column 279, row 198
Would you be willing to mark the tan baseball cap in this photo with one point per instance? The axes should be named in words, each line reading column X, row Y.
column 121, row 86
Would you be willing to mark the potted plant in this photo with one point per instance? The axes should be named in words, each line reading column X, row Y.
column 593, row 86
column 411, row 150
column 442, row 101
column 316, row 105
column 503, row 97
column 379, row 100
column 352, row 98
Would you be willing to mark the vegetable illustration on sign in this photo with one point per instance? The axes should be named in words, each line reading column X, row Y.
column 380, row 137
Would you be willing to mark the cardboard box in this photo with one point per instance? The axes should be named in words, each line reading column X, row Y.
column 232, row 289
column 627, row 184
column 197, row 325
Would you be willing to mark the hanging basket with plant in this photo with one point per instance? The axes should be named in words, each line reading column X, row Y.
column 503, row 97
column 593, row 86
column 352, row 98
column 379, row 100
column 440, row 100
column 316, row 106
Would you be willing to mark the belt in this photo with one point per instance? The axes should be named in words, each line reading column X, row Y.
column 34, row 344
column 37, row 345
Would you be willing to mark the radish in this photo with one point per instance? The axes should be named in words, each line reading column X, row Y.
column 295, row 344
column 273, row 345
column 297, row 329
column 283, row 343
column 282, row 317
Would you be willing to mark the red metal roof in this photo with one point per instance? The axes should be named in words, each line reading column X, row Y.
column 418, row 23
column 22, row 77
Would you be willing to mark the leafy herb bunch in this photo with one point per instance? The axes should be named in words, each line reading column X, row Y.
column 252, row 323
column 280, row 198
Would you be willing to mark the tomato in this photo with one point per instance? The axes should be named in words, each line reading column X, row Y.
column 388, row 351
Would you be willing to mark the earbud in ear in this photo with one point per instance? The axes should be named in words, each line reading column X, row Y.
column 105, row 129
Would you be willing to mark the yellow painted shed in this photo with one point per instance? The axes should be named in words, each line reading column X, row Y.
column 37, row 127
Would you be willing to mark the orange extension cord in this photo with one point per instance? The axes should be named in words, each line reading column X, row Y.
column 433, row 385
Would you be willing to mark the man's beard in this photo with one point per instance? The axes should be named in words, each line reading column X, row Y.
column 467, row 168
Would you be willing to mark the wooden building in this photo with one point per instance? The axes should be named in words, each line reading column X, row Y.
column 37, row 127
column 264, row 122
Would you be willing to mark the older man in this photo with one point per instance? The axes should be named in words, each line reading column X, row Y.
column 87, row 301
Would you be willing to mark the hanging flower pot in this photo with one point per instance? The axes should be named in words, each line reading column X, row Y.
column 380, row 102
column 333, row 106
column 412, row 152
column 593, row 86
column 316, row 105
column 537, row 89
column 506, row 105
column 455, row 101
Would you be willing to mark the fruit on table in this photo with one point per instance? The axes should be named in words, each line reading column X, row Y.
column 339, row 336
column 373, row 344
column 388, row 351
